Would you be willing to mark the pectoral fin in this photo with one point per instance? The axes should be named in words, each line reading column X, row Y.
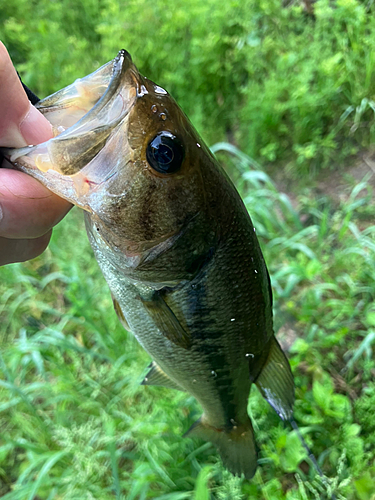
column 166, row 321
column 156, row 376
column 120, row 314
column 275, row 381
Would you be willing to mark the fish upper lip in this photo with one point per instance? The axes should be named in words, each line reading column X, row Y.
column 71, row 150
column 122, row 63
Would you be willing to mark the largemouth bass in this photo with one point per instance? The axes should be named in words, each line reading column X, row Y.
column 175, row 244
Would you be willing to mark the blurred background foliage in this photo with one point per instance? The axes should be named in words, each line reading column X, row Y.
column 279, row 83
column 283, row 91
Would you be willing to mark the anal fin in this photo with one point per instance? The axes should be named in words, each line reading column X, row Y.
column 156, row 376
column 275, row 381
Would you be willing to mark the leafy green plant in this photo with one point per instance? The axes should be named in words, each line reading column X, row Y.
column 281, row 85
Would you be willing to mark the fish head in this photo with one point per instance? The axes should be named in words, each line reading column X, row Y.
column 126, row 153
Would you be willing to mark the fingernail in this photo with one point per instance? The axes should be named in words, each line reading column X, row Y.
column 35, row 128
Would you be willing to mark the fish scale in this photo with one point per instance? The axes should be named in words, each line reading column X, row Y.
column 175, row 244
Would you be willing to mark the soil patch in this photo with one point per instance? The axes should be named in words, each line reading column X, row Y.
column 336, row 182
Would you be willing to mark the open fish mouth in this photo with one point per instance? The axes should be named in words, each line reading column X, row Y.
column 84, row 116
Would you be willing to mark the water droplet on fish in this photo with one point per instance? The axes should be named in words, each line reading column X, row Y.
column 163, row 116
column 233, row 422
column 154, row 108
column 159, row 90
column 146, row 379
column 233, row 319
column 198, row 145
column 255, row 271
column 249, row 355
column 214, row 373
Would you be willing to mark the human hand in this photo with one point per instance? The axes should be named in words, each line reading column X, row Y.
column 28, row 210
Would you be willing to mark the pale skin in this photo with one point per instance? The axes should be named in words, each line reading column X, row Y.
column 28, row 210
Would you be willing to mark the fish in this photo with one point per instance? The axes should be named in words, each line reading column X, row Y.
column 175, row 244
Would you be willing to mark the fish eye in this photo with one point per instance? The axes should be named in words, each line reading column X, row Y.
column 165, row 153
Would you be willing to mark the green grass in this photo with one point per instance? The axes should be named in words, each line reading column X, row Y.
column 76, row 425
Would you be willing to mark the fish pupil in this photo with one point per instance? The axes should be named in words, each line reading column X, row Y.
column 165, row 153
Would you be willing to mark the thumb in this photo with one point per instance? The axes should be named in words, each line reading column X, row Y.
column 20, row 123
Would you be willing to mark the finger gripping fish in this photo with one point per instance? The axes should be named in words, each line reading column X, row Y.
column 175, row 244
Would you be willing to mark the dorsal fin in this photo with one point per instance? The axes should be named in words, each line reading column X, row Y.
column 275, row 381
